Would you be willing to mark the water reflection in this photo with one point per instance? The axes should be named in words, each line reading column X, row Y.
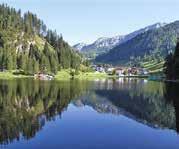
column 141, row 101
column 172, row 95
column 26, row 105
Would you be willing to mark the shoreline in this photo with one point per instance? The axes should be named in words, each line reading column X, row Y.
column 65, row 75
column 9, row 75
column 173, row 81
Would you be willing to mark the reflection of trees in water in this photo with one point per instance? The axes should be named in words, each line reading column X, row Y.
column 145, row 101
column 25, row 105
column 172, row 95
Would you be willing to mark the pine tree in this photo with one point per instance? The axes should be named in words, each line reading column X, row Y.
column 172, row 64
column 169, row 66
column 35, row 66
column 176, row 61
column 9, row 63
column 24, row 62
column 46, row 50
column 30, row 67
column 54, row 63
column 57, row 53
column 45, row 65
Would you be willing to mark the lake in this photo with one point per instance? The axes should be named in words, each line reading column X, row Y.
column 99, row 114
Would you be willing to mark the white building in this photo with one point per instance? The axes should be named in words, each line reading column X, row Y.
column 120, row 71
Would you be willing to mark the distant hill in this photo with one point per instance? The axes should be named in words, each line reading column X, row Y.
column 104, row 44
column 152, row 45
column 26, row 44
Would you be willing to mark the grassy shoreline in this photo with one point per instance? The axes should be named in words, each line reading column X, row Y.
column 61, row 75
column 10, row 75
column 65, row 74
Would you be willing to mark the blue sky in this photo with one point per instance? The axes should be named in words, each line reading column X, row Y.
column 87, row 20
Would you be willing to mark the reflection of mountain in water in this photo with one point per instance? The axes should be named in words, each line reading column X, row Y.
column 26, row 105
column 137, row 99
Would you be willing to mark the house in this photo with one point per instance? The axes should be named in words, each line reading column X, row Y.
column 110, row 70
column 42, row 76
column 133, row 71
column 120, row 71
column 98, row 68
column 143, row 71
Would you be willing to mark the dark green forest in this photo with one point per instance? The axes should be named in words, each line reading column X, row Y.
column 27, row 45
column 172, row 64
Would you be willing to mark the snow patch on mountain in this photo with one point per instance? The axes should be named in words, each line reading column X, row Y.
column 79, row 46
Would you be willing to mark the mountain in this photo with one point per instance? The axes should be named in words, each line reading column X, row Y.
column 79, row 46
column 152, row 45
column 27, row 45
column 104, row 44
column 98, row 47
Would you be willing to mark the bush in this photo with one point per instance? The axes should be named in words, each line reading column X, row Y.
column 19, row 72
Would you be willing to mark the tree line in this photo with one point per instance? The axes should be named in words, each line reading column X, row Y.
column 172, row 64
column 55, row 54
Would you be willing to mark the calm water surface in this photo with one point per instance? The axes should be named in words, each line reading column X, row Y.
column 106, row 114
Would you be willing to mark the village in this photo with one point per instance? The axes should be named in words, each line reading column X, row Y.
column 120, row 71
column 42, row 76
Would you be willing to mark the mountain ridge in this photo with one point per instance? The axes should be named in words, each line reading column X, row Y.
column 104, row 44
column 147, row 46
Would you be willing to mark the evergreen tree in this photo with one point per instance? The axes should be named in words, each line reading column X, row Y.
column 54, row 63
column 45, row 65
column 176, row 61
column 24, row 62
column 14, row 26
column 172, row 64
column 36, row 66
column 169, row 66
column 9, row 63
column 30, row 66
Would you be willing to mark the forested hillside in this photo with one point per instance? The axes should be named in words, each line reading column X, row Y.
column 152, row 45
column 172, row 64
column 27, row 44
